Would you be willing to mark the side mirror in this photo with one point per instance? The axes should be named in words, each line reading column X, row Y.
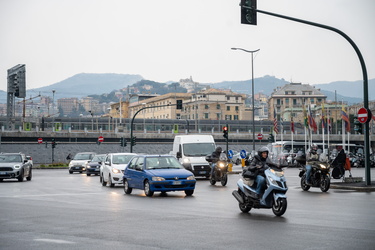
column 107, row 163
column 178, row 155
column 138, row 168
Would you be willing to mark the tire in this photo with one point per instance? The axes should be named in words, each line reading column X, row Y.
column 245, row 208
column 325, row 183
column 100, row 178
column 189, row 192
column 110, row 181
column 70, row 172
column 28, row 178
column 279, row 207
column 127, row 189
column 20, row 177
column 104, row 183
column 224, row 180
column 147, row 189
column 304, row 186
column 212, row 179
column 88, row 174
column 238, row 161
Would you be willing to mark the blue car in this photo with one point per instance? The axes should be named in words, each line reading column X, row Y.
column 157, row 173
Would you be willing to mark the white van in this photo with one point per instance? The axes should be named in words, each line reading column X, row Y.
column 191, row 151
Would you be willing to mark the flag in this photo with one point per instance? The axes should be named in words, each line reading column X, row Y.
column 275, row 128
column 292, row 125
column 281, row 125
column 311, row 120
column 345, row 118
column 305, row 116
column 373, row 117
column 329, row 127
column 323, row 117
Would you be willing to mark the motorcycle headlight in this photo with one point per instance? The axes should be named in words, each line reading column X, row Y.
column 221, row 164
column 190, row 178
column 322, row 166
column 278, row 173
column 116, row 171
column 157, row 178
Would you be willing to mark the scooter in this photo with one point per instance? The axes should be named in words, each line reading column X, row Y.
column 220, row 171
column 273, row 197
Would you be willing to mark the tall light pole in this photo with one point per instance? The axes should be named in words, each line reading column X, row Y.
column 252, row 87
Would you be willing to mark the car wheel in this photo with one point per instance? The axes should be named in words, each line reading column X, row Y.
column 127, row 189
column 147, row 189
column 110, row 181
column 20, row 177
column 30, row 175
column 104, row 183
column 70, row 172
column 88, row 174
column 189, row 192
column 238, row 161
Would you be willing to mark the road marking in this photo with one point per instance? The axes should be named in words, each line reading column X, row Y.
column 45, row 195
column 55, row 241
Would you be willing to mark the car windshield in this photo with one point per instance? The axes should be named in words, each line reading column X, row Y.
column 98, row 158
column 83, row 157
column 198, row 149
column 162, row 163
column 121, row 159
column 10, row 158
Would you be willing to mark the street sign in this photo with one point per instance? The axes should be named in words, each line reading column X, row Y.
column 260, row 136
column 243, row 154
column 100, row 139
column 230, row 154
column 40, row 140
column 363, row 115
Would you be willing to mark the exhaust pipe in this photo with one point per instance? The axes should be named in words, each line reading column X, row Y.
column 237, row 196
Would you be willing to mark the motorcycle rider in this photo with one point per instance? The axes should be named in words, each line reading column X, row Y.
column 258, row 165
column 215, row 156
column 311, row 156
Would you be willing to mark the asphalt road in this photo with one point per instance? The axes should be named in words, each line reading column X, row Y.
column 57, row 210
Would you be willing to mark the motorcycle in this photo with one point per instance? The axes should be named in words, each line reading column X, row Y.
column 358, row 161
column 273, row 197
column 320, row 175
column 220, row 171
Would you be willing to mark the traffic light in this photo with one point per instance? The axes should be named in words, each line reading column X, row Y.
column 225, row 132
column 133, row 141
column 271, row 138
column 123, row 142
column 53, row 143
column 357, row 126
column 248, row 12
column 179, row 104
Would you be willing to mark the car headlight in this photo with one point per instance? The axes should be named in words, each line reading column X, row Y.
column 116, row 171
column 157, row 178
column 191, row 178
column 88, row 167
column 17, row 166
column 186, row 160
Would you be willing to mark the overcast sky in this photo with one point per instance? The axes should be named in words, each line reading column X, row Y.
column 169, row 40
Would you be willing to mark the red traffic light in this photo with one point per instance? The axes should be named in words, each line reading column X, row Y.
column 225, row 128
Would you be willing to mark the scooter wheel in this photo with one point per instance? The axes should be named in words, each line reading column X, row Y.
column 224, row 180
column 304, row 186
column 244, row 208
column 325, row 183
column 279, row 207
column 212, row 180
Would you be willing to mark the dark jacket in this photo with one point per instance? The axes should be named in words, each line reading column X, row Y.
column 257, row 165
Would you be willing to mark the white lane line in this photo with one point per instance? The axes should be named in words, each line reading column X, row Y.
column 55, row 241
column 45, row 195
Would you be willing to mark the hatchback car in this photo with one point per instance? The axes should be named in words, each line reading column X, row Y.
column 15, row 166
column 93, row 166
column 112, row 168
column 78, row 163
column 157, row 173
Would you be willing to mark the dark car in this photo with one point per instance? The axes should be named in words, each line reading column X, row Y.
column 93, row 166
column 157, row 173
column 15, row 166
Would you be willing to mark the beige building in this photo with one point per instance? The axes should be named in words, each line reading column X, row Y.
column 68, row 105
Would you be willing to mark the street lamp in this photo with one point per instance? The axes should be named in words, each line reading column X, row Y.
column 252, row 87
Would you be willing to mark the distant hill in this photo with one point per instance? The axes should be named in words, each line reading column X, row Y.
column 84, row 84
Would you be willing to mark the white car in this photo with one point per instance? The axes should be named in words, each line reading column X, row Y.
column 112, row 169
column 79, row 161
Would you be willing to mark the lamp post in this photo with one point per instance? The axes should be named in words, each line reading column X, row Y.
column 252, row 87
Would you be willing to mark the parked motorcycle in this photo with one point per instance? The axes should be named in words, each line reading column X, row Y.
column 220, row 171
column 320, row 175
column 273, row 197
column 358, row 161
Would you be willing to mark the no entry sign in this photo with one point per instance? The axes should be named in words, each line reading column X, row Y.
column 260, row 136
column 100, row 139
column 40, row 140
column 363, row 115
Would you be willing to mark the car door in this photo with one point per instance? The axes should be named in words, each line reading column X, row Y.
column 129, row 172
column 138, row 174
column 106, row 167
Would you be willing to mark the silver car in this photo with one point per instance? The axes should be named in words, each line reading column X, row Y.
column 79, row 161
column 15, row 166
column 112, row 169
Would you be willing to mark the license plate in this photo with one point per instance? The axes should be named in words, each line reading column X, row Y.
column 76, row 168
column 202, row 172
column 3, row 173
column 177, row 183
column 96, row 170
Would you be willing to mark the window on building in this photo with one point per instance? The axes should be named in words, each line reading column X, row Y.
column 237, row 108
column 218, row 106
column 278, row 101
column 312, row 100
column 218, row 116
column 205, row 115
column 228, row 117
column 294, row 101
column 287, row 101
column 236, row 98
column 228, row 98
column 235, row 117
column 228, row 108
column 206, row 106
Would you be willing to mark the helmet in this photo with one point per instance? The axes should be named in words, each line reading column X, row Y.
column 261, row 150
column 218, row 149
column 314, row 148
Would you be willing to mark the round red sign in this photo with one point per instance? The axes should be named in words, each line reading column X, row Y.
column 362, row 115
column 40, row 140
column 260, row 136
column 100, row 139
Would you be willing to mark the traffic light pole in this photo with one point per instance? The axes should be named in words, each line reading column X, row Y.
column 136, row 113
column 364, row 73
